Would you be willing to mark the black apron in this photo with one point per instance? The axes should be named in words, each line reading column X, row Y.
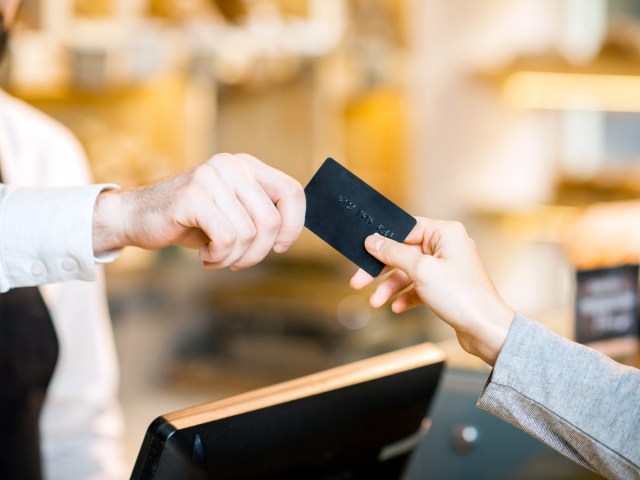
column 28, row 354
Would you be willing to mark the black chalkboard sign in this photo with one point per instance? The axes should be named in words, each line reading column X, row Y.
column 606, row 303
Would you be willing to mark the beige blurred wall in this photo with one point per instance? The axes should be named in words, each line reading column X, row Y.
column 397, row 97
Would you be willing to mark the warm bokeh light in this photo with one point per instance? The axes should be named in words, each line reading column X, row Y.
column 573, row 91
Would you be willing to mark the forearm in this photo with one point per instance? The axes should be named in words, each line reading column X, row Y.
column 574, row 399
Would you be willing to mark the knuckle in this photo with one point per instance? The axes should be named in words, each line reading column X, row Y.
column 207, row 258
column 225, row 241
column 202, row 174
column 385, row 249
column 224, row 161
column 246, row 262
column 246, row 235
column 385, row 253
column 271, row 221
column 294, row 189
column 253, row 258
column 288, row 187
column 220, row 158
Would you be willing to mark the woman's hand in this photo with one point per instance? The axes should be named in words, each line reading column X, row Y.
column 438, row 265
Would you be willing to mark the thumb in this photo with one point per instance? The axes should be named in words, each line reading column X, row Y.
column 393, row 253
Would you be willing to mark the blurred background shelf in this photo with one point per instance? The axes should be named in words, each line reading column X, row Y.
column 508, row 116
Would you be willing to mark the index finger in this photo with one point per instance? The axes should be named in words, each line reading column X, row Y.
column 422, row 232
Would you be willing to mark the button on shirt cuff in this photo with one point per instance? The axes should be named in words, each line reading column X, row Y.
column 46, row 235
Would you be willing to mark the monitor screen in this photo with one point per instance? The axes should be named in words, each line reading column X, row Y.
column 357, row 421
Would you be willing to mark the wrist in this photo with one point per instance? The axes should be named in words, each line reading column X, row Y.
column 492, row 334
column 109, row 220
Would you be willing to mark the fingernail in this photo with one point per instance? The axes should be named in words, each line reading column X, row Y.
column 280, row 248
column 374, row 242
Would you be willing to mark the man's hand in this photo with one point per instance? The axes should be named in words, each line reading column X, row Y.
column 233, row 208
column 438, row 265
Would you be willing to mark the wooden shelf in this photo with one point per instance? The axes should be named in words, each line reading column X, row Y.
column 611, row 82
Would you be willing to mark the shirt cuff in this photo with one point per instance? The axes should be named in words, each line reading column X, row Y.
column 527, row 352
column 46, row 235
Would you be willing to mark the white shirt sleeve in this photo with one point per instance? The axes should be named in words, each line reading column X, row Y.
column 46, row 235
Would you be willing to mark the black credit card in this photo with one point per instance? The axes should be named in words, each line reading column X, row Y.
column 343, row 211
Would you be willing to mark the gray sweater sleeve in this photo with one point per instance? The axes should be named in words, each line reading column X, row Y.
column 574, row 399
